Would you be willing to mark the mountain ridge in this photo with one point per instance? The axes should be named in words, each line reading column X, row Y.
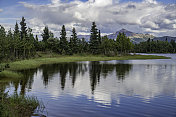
column 135, row 37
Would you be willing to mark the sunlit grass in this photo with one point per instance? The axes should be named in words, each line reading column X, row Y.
column 10, row 74
column 34, row 63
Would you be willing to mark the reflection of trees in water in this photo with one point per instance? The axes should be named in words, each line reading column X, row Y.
column 3, row 86
column 73, row 69
column 107, row 69
column 48, row 71
column 27, row 81
column 97, row 69
column 63, row 68
column 22, row 83
column 122, row 70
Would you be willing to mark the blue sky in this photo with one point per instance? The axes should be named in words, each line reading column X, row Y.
column 7, row 3
column 157, row 17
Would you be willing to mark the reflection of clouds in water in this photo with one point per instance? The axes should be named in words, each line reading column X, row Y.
column 104, row 98
column 151, row 82
column 146, row 81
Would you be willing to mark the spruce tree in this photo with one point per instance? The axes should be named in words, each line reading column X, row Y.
column 99, row 37
column 16, row 41
column 74, row 42
column 16, row 31
column 94, row 40
column 23, row 28
column 3, row 46
column 63, row 41
column 46, row 34
column 36, row 43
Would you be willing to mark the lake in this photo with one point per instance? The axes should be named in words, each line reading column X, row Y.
column 123, row 88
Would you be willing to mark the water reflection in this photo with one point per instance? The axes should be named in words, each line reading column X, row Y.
column 26, row 82
column 96, row 71
column 111, row 84
column 63, row 70
column 150, row 78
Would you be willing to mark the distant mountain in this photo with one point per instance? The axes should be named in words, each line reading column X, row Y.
column 114, row 35
column 135, row 37
column 111, row 36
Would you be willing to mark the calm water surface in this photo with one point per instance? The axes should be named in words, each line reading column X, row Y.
column 128, row 88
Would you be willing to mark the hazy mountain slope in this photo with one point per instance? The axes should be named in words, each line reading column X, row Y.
column 135, row 37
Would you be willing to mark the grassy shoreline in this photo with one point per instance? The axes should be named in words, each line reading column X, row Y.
column 36, row 62
column 17, row 105
column 10, row 74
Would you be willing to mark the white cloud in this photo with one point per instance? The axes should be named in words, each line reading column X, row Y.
column 151, row 1
column 150, row 24
column 167, row 21
column 174, row 26
column 1, row 10
column 55, row 1
column 101, row 2
column 110, row 15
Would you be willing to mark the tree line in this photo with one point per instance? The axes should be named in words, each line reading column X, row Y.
column 151, row 46
column 17, row 44
column 96, row 45
column 21, row 43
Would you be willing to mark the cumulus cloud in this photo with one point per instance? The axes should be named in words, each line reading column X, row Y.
column 151, row 1
column 110, row 15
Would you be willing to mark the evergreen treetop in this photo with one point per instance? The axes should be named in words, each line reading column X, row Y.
column 23, row 28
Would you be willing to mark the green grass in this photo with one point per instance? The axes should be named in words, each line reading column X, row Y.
column 34, row 63
column 10, row 74
column 52, row 59
column 17, row 106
